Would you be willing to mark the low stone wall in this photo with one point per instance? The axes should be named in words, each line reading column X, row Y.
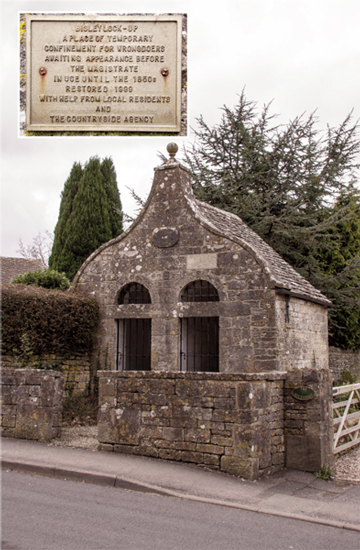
column 76, row 369
column 31, row 403
column 229, row 422
column 344, row 360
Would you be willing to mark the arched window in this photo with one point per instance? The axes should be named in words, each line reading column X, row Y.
column 134, row 334
column 134, row 293
column 199, row 342
column 200, row 291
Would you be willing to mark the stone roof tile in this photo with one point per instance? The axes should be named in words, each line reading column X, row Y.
column 281, row 274
column 11, row 267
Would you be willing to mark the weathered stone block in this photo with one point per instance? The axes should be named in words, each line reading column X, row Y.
column 247, row 468
column 119, row 426
column 36, row 404
column 35, row 391
column 221, row 440
column 224, row 403
column 170, row 454
column 247, row 416
column 211, row 460
column 8, row 416
column 277, row 440
column 31, row 423
column 220, row 415
column 244, row 437
column 107, row 387
column 186, row 416
column 253, row 395
column 128, row 385
column 105, row 447
column 8, row 395
column 207, row 402
column 151, row 432
column 183, row 446
column 217, row 427
column 199, row 435
column 189, row 393
column 188, row 456
column 125, row 449
column 211, row 449
column 303, row 453
column 173, row 434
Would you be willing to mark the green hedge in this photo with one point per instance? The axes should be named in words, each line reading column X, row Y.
column 45, row 278
column 46, row 321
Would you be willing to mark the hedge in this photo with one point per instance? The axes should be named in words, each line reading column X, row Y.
column 49, row 321
column 45, row 278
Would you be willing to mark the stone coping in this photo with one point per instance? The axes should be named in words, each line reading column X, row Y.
column 28, row 372
column 216, row 376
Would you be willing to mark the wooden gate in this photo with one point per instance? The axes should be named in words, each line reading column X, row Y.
column 346, row 412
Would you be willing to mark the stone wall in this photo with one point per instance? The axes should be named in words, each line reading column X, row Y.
column 303, row 334
column 344, row 360
column 242, row 424
column 308, row 424
column 233, row 423
column 75, row 368
column 31, row 403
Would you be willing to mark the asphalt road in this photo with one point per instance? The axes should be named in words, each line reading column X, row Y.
column 45, row 513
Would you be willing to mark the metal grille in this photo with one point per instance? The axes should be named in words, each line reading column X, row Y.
column 134, row 344
column 134, row 293
column 200, row 291
column 199, row 344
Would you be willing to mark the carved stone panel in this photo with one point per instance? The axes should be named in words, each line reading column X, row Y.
column 104, row 73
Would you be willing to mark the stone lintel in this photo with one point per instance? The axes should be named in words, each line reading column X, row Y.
column 216, row 376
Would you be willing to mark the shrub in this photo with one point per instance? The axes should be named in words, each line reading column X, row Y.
column 324, row 473
column 47, row 278
column 346, row 378
column 46, row 321
column 81, row 409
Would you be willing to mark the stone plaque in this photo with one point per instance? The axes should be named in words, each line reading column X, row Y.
column 103, row 73
column 165, row 237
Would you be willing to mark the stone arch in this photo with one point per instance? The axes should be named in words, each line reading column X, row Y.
column 133, row 293
column 199, row 290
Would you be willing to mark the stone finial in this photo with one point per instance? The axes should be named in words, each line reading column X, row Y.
column 172, row 149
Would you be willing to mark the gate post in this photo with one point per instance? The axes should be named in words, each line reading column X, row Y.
column 308, row 421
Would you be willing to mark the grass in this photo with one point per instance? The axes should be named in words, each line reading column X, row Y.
column 324, row 473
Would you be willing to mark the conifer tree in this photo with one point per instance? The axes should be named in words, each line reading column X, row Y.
column 89, row 216
column 112, row 193
column 336, row 271
column 67, row 198
column 295, row 187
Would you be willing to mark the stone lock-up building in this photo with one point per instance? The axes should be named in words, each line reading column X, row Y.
column 205, row 334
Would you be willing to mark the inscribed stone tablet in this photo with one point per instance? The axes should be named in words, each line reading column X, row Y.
column 104, row 73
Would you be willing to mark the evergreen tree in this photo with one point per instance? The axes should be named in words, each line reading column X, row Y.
column 294, row 186
column 88, row 217
column 338, row 275
column 113, row 196
column 71, row 187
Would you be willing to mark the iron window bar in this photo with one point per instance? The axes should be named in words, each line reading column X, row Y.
column 134, row 293
column 134, row 344
column 200, row 291
column 199, row 344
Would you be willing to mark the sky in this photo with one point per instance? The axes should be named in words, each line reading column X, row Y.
column 303, row 55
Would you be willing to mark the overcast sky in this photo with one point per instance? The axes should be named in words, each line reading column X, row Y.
column 302, row 54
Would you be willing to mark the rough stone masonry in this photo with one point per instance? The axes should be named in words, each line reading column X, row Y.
column 201, row 325
column 31, row 403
